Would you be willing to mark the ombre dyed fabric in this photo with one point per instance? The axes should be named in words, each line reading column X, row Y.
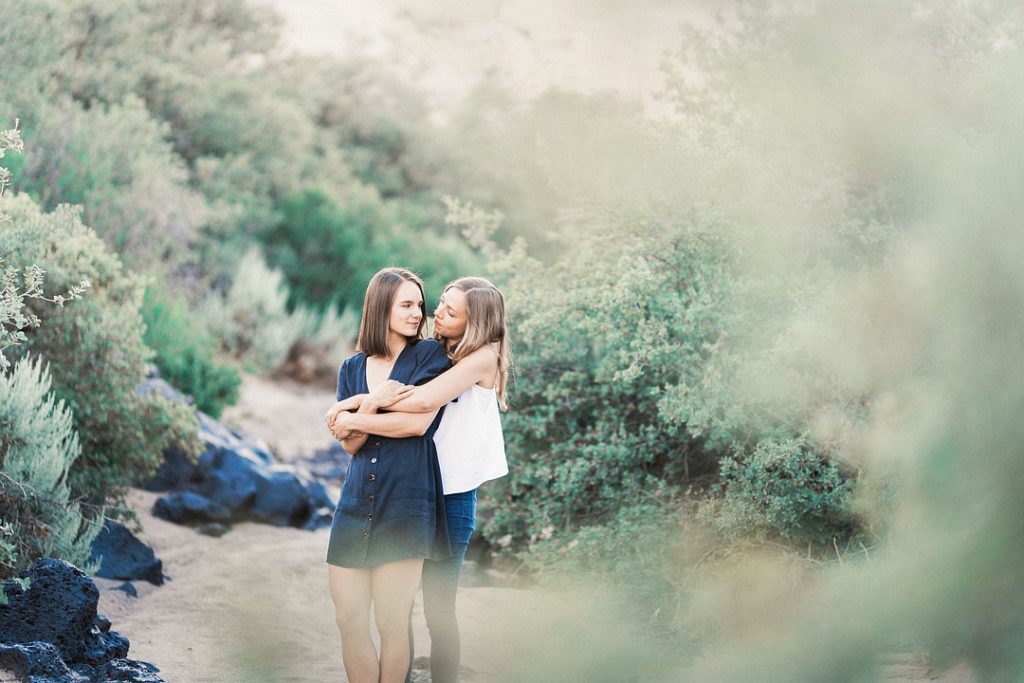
column 392, row 505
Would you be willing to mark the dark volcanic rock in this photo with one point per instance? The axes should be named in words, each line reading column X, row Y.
column 127, row 670
column 185, row 507
column 50, row 632
column 230, row 478
column 237, row 478
column 37, row 661
column 59, row 607
column 102, row 623
column 102, row 647
column 330, row 464
column 216, row 435
column 124, row 556
column 281, row 498
column 177, row 471
column 214, row 529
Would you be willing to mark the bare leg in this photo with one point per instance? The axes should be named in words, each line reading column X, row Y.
column 394, row 589
column 350, row 590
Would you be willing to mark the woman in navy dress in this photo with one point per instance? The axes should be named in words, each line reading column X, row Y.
column 391, row 513
column 470, row 322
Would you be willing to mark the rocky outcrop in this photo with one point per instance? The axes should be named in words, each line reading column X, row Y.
column 187, row 507
column 235, row 478
column 50, row 631
column 123, row 556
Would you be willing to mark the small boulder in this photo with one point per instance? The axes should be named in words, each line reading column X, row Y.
column 175, row 472
column 213, row 529
column 59, row 607
column 230, row 478
column 217, row 435
column 281, row 498
column 50, row 632
column 123, row 556
column 102, row 647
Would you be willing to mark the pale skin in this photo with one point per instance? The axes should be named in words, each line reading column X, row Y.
column 390, row 588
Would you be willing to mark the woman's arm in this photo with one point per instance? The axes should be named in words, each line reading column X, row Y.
column 394, row 425
column 352, row 440
column 479, row 366
column 382, row 397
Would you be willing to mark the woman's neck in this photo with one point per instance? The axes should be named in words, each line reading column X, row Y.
column 396, row 343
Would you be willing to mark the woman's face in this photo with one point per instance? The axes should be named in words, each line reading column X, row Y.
column 450, row 316
column 406, row 311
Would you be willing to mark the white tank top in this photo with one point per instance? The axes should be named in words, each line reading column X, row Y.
column 470, row 444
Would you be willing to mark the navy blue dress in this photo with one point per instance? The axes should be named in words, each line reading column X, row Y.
column 392, row 503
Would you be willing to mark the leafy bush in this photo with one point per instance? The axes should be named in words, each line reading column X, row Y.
column 599, row 336
column 184, row 353
column 784, row 489
column 96, row 353
column 130, row 185
column 37, row 448
column 329, row 251
column 251, row 320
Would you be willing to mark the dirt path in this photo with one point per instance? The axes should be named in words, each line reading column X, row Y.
column 253, row 605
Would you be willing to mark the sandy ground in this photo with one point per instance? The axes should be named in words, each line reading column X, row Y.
column 287, row 415
column 253, row 605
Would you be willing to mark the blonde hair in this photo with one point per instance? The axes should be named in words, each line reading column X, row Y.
column 485, row 324
column 380, row 297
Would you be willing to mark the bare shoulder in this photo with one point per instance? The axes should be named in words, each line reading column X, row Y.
column 485, row 356
column 484, row 364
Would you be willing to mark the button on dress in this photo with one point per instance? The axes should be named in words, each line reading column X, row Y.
column 392, row 503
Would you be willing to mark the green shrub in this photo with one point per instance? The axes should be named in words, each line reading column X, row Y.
column 96, row 354
column 328, row 251
column 113, row 161
column 599, row 337
column 783, row 489
column 251, row 320
column 184, row 353
column 37, row 447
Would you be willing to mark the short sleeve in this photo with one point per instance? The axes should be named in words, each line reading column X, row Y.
column 431, row 361
column 345, row 388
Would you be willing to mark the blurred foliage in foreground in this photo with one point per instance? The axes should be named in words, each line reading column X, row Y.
column 817, row 287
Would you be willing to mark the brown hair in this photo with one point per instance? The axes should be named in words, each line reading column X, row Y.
column 380, row 297
column 485, row 324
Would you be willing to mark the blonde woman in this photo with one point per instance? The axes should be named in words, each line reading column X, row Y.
column 470, row 322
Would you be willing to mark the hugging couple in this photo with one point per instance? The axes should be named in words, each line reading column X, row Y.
column 421, row 420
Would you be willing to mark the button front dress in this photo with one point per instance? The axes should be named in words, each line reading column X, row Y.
column 392, row 503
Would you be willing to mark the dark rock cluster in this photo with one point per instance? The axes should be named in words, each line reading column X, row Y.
column 50, row 631
column 236, row 478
